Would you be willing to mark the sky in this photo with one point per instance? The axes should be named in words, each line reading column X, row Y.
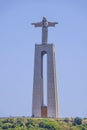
column 17, row 43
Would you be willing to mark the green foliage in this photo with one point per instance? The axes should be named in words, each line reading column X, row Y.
column 30, row 123
column 8, row 120
column 47, row 125
column 77, row 121
column 43, row 124
column 7, row 125
column 66, row 119
column 19, row 122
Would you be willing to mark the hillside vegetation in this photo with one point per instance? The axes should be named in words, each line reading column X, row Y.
column 43, row 124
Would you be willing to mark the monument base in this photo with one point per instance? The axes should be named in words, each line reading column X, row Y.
column 38, row 110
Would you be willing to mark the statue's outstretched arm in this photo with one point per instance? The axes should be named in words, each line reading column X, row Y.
column 37, row 24
column 52, row 23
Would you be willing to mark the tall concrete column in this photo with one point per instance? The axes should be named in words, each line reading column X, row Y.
column 52, row 97
column 37, row 84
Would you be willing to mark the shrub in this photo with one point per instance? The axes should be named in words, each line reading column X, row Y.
column 77, row 121
column 7, row 125
column 66, row 119
column 8, row 120
column 42, row 124
column 30, row 123
column 47, row 125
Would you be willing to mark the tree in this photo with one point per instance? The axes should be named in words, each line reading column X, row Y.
column 77, row 121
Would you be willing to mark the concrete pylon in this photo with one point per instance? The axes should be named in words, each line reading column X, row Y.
column 38, row 108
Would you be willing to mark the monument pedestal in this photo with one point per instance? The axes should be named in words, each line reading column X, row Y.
column 52, row 101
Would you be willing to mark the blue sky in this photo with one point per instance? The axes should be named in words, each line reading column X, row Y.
column 17, row 42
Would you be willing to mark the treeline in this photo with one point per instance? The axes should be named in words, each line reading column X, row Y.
column 43, row 124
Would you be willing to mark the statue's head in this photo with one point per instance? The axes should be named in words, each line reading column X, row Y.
column 44, row 19
column 45, row 22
